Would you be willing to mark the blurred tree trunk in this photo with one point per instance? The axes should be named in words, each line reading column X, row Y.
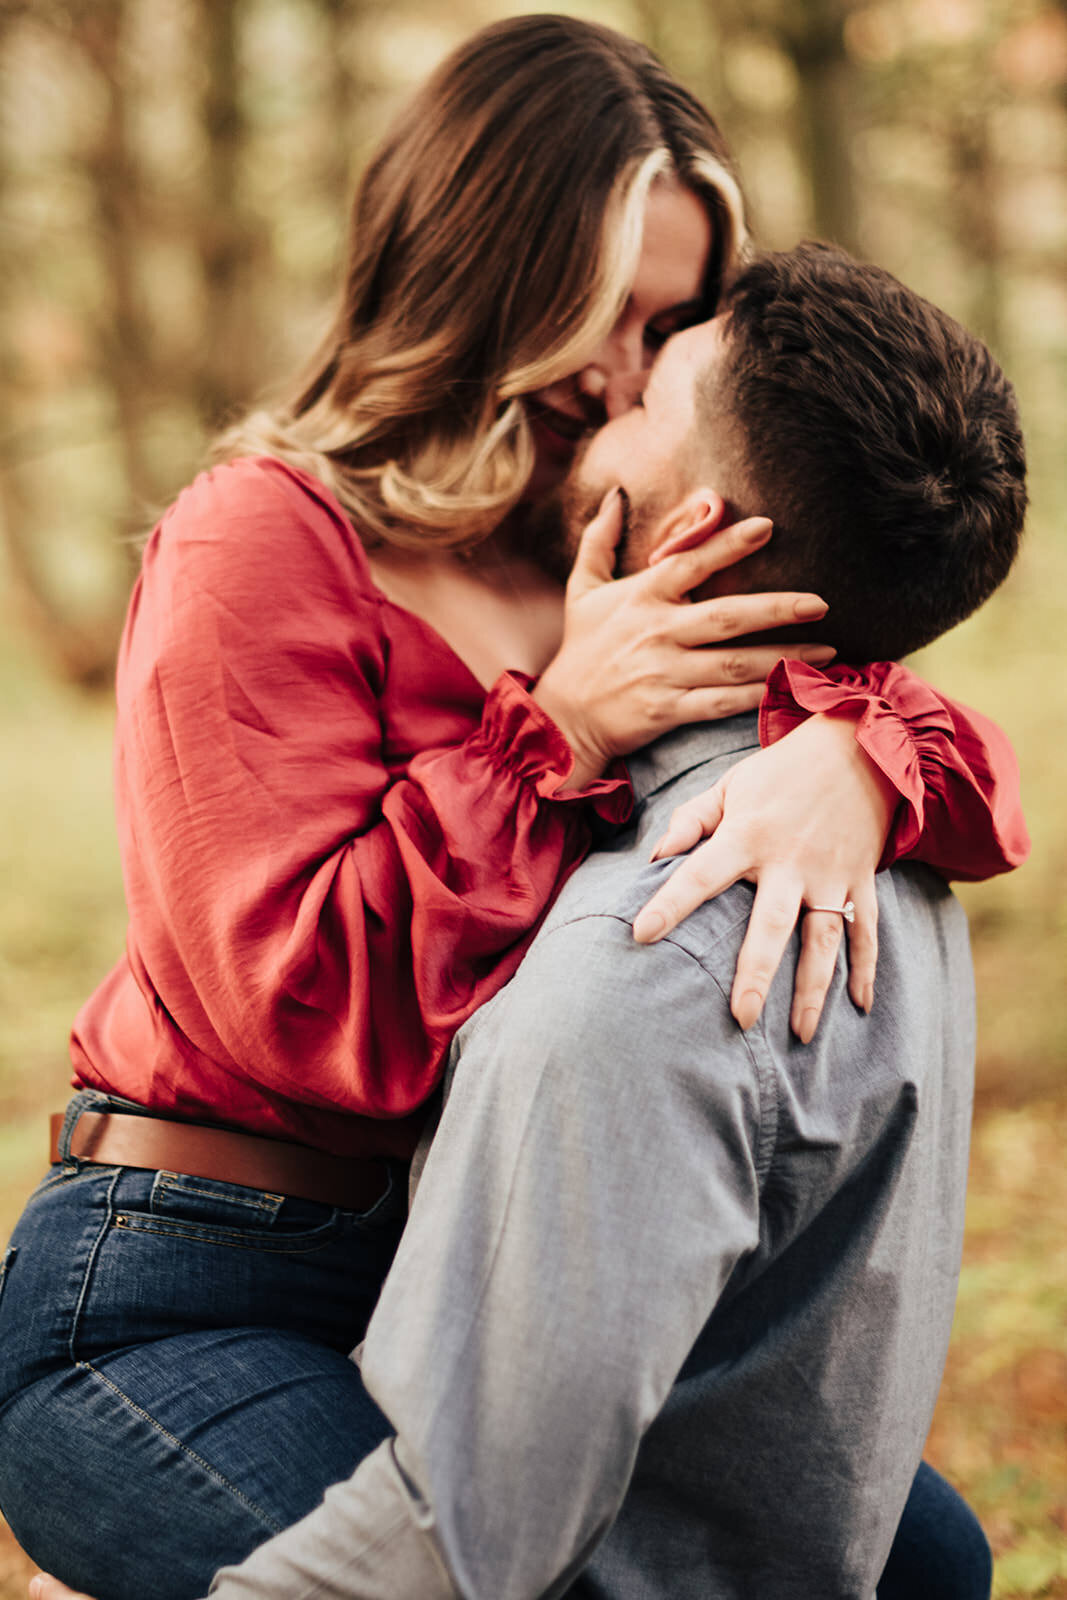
column 812, row 34
column 976, row 206
column 123, row 331
column 227, row 237
column 84, row 655
column 342, row 99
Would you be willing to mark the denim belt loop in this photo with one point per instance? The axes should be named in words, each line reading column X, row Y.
column 84, row 1100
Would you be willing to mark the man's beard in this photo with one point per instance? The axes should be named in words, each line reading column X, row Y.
column 553, row 530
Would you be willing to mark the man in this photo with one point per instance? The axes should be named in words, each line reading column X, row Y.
column 670, row 1313
column 662, row 1277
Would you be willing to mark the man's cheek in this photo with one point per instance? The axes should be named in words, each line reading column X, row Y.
column 581, row 502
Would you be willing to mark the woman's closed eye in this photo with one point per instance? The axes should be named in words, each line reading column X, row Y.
column 657, row 333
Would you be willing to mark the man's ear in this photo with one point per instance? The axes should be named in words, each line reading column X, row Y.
column 690, row 522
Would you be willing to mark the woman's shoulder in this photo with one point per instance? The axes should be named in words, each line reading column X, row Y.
column 259, row 509
column 254, row 560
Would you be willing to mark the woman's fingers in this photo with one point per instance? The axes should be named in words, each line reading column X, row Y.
column 733, row 616
column 703, row 874
column 594, row 561
column 723, row 665
column 711, row 705
column 777, row 906
column 863, row 945
column 806, row 820
column 770, row 928
column 676, row 574
column 820, row 941
column 696, row 819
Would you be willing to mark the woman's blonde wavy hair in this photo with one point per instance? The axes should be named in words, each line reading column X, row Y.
column 494, row 240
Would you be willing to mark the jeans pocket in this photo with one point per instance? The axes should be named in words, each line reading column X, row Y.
column 211, row 1200
column 179, row 1206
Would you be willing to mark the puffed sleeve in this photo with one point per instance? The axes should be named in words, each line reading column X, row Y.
column 308, row 912
column 955, row 771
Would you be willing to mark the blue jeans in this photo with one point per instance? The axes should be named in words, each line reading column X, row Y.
column 940, row 1551
column 175, row 1384
column 174, row 1376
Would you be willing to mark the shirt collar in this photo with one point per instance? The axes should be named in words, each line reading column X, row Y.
column 683, row 749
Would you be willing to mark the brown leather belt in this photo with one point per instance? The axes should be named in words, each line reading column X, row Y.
column 117, row 1139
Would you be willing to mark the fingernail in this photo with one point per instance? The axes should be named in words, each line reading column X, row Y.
column 658, row 851
column 649, row 926
column 809, row 1021
column 810, row 609
column 748, row 1008
column 611, row 495
column 815, row 658
column 759, row 531
column 868, row 997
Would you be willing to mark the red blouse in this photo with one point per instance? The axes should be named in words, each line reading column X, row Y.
column 336, row 845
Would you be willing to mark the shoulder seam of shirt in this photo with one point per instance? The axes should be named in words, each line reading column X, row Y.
column 765, row 1073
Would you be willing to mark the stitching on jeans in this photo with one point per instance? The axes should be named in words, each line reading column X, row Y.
column 90, row 1265
column 212, row 1472
column 213, row 1233
column 270, row 1203
column 66, row 1175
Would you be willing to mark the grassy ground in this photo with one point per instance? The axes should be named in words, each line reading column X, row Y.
column 1000, row 1432
column 1001, row 1428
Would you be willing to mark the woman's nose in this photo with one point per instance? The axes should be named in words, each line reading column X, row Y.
column 592, row 382
column 622, row 354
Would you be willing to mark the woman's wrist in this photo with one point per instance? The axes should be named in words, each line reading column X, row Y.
column 588, row 762
column 880, row 794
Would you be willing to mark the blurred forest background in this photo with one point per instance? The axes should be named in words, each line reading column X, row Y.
column 173, row 182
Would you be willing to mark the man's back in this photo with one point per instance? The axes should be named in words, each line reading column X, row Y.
column 669, row 1315
column 781, row 1460
column 640, row 1227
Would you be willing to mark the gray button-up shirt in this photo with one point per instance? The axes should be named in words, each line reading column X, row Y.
column 674, row 1299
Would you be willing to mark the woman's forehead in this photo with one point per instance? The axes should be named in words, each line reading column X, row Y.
column 676, row 243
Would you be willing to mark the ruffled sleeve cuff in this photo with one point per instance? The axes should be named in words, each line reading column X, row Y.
column 904, row 736
column 518, row 737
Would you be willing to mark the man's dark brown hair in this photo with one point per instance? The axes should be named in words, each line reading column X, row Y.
column 884, row 441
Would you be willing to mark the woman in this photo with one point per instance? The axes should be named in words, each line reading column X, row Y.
column 355, row 760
